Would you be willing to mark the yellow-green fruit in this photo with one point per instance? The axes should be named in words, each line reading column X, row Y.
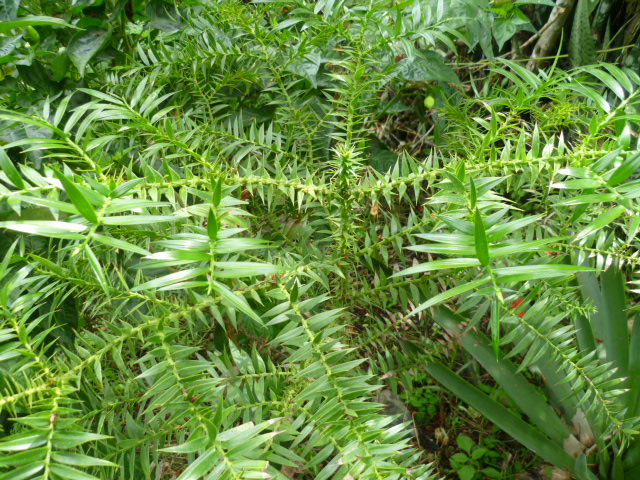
column 32, row 35
column 429, row 102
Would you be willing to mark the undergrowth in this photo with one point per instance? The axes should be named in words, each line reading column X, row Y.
column 216, row 254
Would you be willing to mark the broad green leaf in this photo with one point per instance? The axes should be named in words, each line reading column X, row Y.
column 427, row 66
column 76, row 196
column 214, row 428
column 48, row 264
column 6, row 259
column 582, row 48
column 578, row 184
column 8, row 45
column 466, row 472
column 609, row 81
column 83, row 46
column 633, row 397
column 609, row 321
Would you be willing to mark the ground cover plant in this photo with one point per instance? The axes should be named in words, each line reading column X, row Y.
column 236, row 236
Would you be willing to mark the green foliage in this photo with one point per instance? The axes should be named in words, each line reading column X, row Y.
column 215, row 255
column 468, row 463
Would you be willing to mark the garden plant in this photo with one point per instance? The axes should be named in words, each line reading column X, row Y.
column 233, row 232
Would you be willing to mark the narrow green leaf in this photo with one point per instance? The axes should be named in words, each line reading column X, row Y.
column 4, row 265
column 22, row 473
column 473, row 194
column 194, row 444
column 79, row 200
column 438, row 265
column 212, row 225
column 171, row 279
column 80, row 460
column 120, row 244
column 65, row 230
column 582, row 469
column 9, row 169
column 237, row 302
column 31, row 456
column 244, row 269
column 494, row 325
column 22, row 441
column 66, row 440
column 526, row 396
column 602, row 221
column 624, row 171
column 534, row 272
column 216, row 195
column 126, row 220
column 33, row 20
column 480, row 236
column 524, row 433
column 201, row 466
column 459, row 290
column 615, row 336
column 70, row 473
column 126, row 187
column 97, row 268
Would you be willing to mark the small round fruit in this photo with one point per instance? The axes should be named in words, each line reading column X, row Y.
column 429, row 102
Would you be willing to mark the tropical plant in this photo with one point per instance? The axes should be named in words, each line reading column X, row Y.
column 212, row 256
column 573, row 336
